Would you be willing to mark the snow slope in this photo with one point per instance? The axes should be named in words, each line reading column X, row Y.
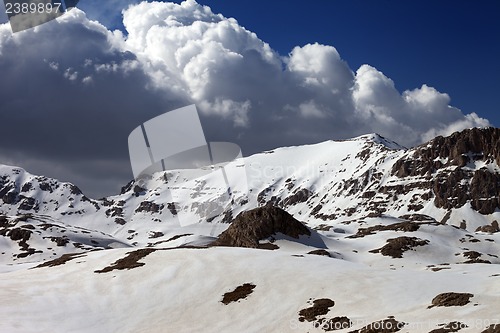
column 391, row 229
column 181, row 290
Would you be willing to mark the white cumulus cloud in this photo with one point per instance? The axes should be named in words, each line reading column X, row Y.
column 89, row 87
column 233, row 74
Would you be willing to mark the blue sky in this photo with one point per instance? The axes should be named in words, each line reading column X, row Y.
column 285, row 73
column 452, row 45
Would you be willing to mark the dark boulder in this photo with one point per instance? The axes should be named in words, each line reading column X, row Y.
column 249, row 227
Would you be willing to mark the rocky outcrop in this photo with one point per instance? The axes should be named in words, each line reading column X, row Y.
column 493, row 228
column 249, row 227
column 485, row 191
column 149, row 206
column 451, row 299
column 481, row 188
column 299, row 196
column 395, row 247
column 457, row 149
column 449, row 190
column 445, row 160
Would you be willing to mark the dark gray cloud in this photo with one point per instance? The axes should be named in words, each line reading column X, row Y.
column 71, row 91
column 69, row 99
column 3, row 15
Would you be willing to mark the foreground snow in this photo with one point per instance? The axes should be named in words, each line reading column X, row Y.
column 180, row 290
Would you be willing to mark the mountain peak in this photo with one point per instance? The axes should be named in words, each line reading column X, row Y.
column 379, row 139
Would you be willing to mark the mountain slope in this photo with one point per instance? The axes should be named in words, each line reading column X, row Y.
column 181, row 290
column 349, row 235
column 452, row 180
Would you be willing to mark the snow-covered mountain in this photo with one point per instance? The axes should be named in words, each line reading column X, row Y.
column 387, row 230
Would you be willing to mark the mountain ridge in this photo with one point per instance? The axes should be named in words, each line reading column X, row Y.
column 360, row 233
column 367, row 176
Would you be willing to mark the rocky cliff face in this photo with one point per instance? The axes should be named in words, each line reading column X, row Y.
column 458, row 169
column 458, row 149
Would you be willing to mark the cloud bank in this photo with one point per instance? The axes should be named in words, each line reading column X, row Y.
column 72, row 90
column 230, row 73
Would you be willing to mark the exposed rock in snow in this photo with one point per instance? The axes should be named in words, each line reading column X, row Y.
column 368, row 236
